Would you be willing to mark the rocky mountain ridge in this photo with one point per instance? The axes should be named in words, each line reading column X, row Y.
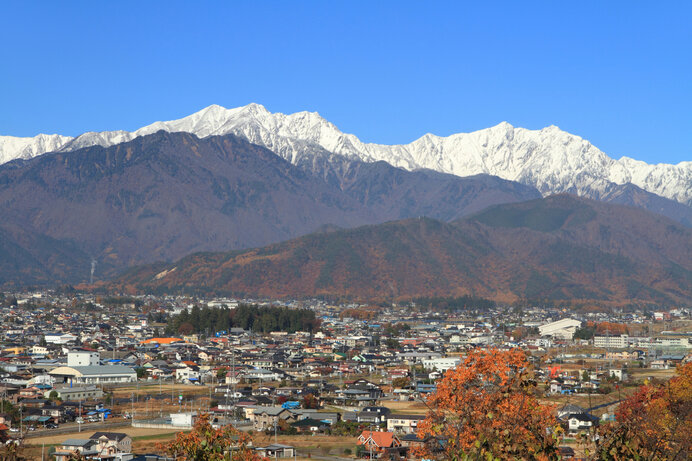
column 549, row 159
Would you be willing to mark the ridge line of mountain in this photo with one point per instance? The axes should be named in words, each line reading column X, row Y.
column 549, row 159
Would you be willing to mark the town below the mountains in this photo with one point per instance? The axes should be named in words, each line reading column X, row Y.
column 126, row 377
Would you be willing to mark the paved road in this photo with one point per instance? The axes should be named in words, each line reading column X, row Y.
column 323, row 457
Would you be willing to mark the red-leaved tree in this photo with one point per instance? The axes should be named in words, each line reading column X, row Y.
column 655, row 423
column 486, row 409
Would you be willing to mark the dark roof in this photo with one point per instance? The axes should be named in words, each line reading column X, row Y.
column 117, row 436
column 307, row 422
column 413, row 438
column 572, row 409
column 566, row 451
column 583, row 417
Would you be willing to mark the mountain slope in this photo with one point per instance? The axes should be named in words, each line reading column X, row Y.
column 631, row 195
column 551, row 160
column 27, row 258
column 393, row 193
column 558, row 248
column 163, row 196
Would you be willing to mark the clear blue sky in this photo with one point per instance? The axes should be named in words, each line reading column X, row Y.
column 616, row 73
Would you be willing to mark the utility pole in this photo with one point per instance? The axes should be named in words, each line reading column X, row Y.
column 210, row 389
column 234, row 376
column 371, row 440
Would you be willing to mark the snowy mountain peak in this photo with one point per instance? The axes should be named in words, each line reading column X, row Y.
column 504, row 125
column 551, row 128
column 12, row 147
column 550, row 159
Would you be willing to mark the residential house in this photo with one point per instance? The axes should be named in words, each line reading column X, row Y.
column 264, row 418
column 276, row 450
column 110, row 443
column 405, row 424
column 71, row 447
column 374, row 415
column 581, row 421
column 378, row 441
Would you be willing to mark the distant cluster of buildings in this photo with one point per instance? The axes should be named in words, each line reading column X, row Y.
column 60, row 352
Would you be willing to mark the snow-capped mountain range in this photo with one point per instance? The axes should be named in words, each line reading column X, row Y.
column 550, row 159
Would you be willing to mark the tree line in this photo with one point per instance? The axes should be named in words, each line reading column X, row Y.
column 263, row 319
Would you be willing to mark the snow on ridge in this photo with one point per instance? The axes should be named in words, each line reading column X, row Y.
column 549, row 159
column 12, row 147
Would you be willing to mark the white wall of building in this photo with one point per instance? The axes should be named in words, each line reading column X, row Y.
column 618, row 342
column 442, row 363
column 83, row 358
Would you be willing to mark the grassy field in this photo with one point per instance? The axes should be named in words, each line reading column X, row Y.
column 640, row 374
column 406, row 407
column 134, row 432
column 151, row 388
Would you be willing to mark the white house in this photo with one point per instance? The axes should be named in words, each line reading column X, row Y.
column 38, row 350
column 406, row 424
column 581, row 421
column 187, row 374
column 617, row 374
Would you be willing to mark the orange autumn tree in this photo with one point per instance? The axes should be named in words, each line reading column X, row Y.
column 204, row 443
column 486, row 409
column 655, row 423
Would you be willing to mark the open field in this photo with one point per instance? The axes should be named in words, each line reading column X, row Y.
column 405, row 407
column 639, row 374
column 129, row 430
column 317, row 444
column 151, row 388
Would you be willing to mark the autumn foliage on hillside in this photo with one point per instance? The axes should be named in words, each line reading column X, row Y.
column 653, row 424
column 558, row 250
column 486, row 409
column 363, row 313
column 610, row 328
